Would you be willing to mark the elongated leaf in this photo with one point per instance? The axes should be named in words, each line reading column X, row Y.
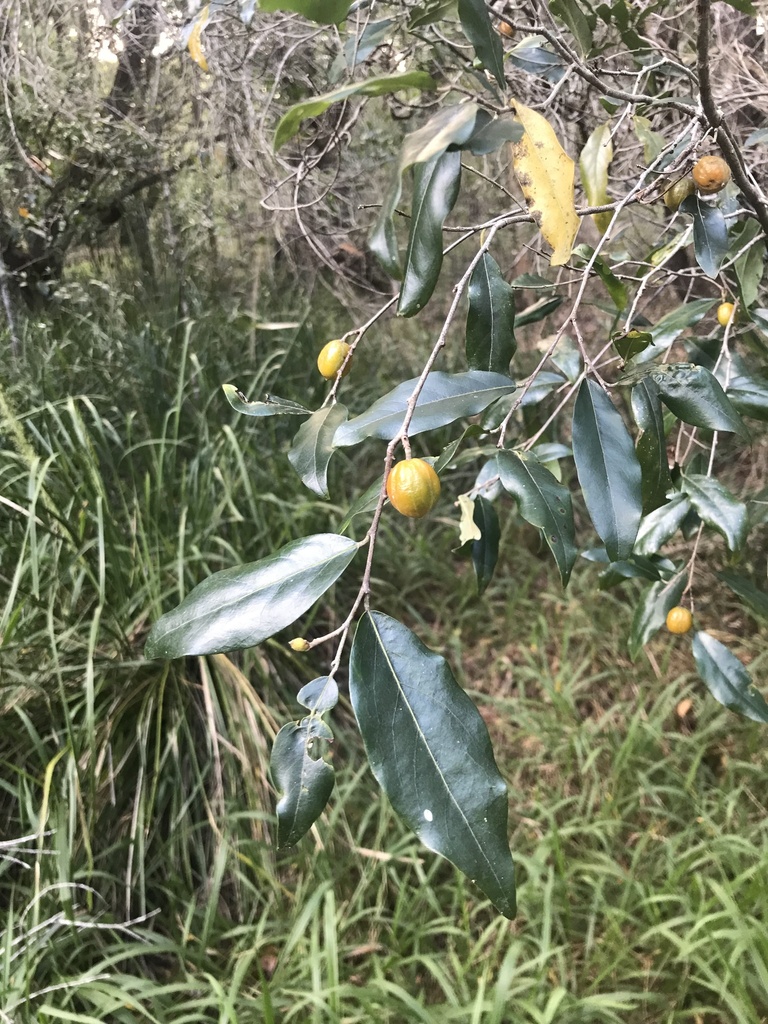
column 750, row 266
column 313, row 447
column 243, row 606
column 710, row 234
column 727, row 679
column 545, row 174
column 476, row 24
column 532, row 56
column 325, row 12
column 538, row 311
column 749, row 396
column 490, row 133
column 431, row 13
column 608, row 470
column 752, row 596
column 651, row 445
column 652, row 142
column 543, row 503
column 320, row 695
column 306, row 782
column 431, row 754
column 651, row 613
column 694, row 395
column 444, row 398
column 292, row 119
column 450, row 126
column 569, row 12
column 485, row 551
column 631, row 343
column 436, row 186
column 661, row 524
column 671, row 326
column 615, row 288
column 594, row 162
column 272, row 406
column 490, row 319
column 367, row 502
column 718, row 508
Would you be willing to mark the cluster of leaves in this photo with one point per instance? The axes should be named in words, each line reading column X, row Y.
column 426, row 743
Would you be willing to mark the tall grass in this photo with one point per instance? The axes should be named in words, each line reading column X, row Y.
column 138, row 877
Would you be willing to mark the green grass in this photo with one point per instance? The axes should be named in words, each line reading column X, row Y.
column 138, row 878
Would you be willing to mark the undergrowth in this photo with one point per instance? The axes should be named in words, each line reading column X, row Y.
column 138, row 878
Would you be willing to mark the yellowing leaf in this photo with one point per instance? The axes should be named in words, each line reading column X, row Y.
column 593, row 165
column 545, row 174
column 194, row 44
column 468, row 528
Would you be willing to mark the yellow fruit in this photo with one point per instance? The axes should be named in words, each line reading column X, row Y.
column 677, row 192
column 724, row 313
column 331, row 357
column 711, row 173
column 298, row 644
column 413, row 487
column 679, row 620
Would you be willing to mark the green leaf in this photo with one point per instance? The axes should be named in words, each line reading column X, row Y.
column 534, row 58
column 543, row 503
column 430, row 752
column 436, row 186
column 450, row 126
column 749, row 395
column 652, row 142
column 710, row 234
column 651, row 613
column 431, row 13
column 292, row 119
column 324, row 12
column 727, row 679
column 490, row 133
column 569, row 12
column 750, row 265
column 485, row 552
column 661, row 524
column 313, row 447
column 752, row 596
column 272, row 406
column 718, row 508
column 320, row 695
column 490, row 340
column 538, row 311
column 476, row 23
column 631, row 343
column 243, row 606
column 367, row 502
column 305, row 782
column 359, row 48
column 594, row 162
column 445, row 397
column 671, row 326
column 608, row 470
column 566, row 357
column 745, row 6
column 615, row 288
column 694, row 395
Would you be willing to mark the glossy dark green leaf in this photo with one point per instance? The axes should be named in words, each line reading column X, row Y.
column 476, row 24
column 532, row 56
column 567, row 357
column 658, row 526
column 491, row 133
column 367, row 502
column 635, row 568
column 272, row 406
column 651, row 613
column 436, row 186
column 710, row 234
column 750, row 266
column 431, row 13
column 313, row 447
column 430, row 752
column 487, row 483
column 243, row 606
column 325, row 12
column 291, row 121
column 695, row 396
column 539, row 310
column 749, row 395
column 543, row 502
column 651, row 445
column 727, row 679
column 718, row 508
column 320, row 695
column 485, row 552
column 752, row 596
column 304, row 781
column 490, row 340
column 446, row 456
column 608, row 470
column 569, row 12
column 445, row 397
column 615, row 288
column 631, row 343
column 671, row 326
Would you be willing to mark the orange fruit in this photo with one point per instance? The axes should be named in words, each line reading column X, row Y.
column 679, row 620
column 331, row 357
column 677, row 192
column 711, row 173
column 413, row 487
column 725, row 313
column 506, row 30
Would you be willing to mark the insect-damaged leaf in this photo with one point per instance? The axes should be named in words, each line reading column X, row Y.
column 305, row 781
column 545, row 174
column 431, row 754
